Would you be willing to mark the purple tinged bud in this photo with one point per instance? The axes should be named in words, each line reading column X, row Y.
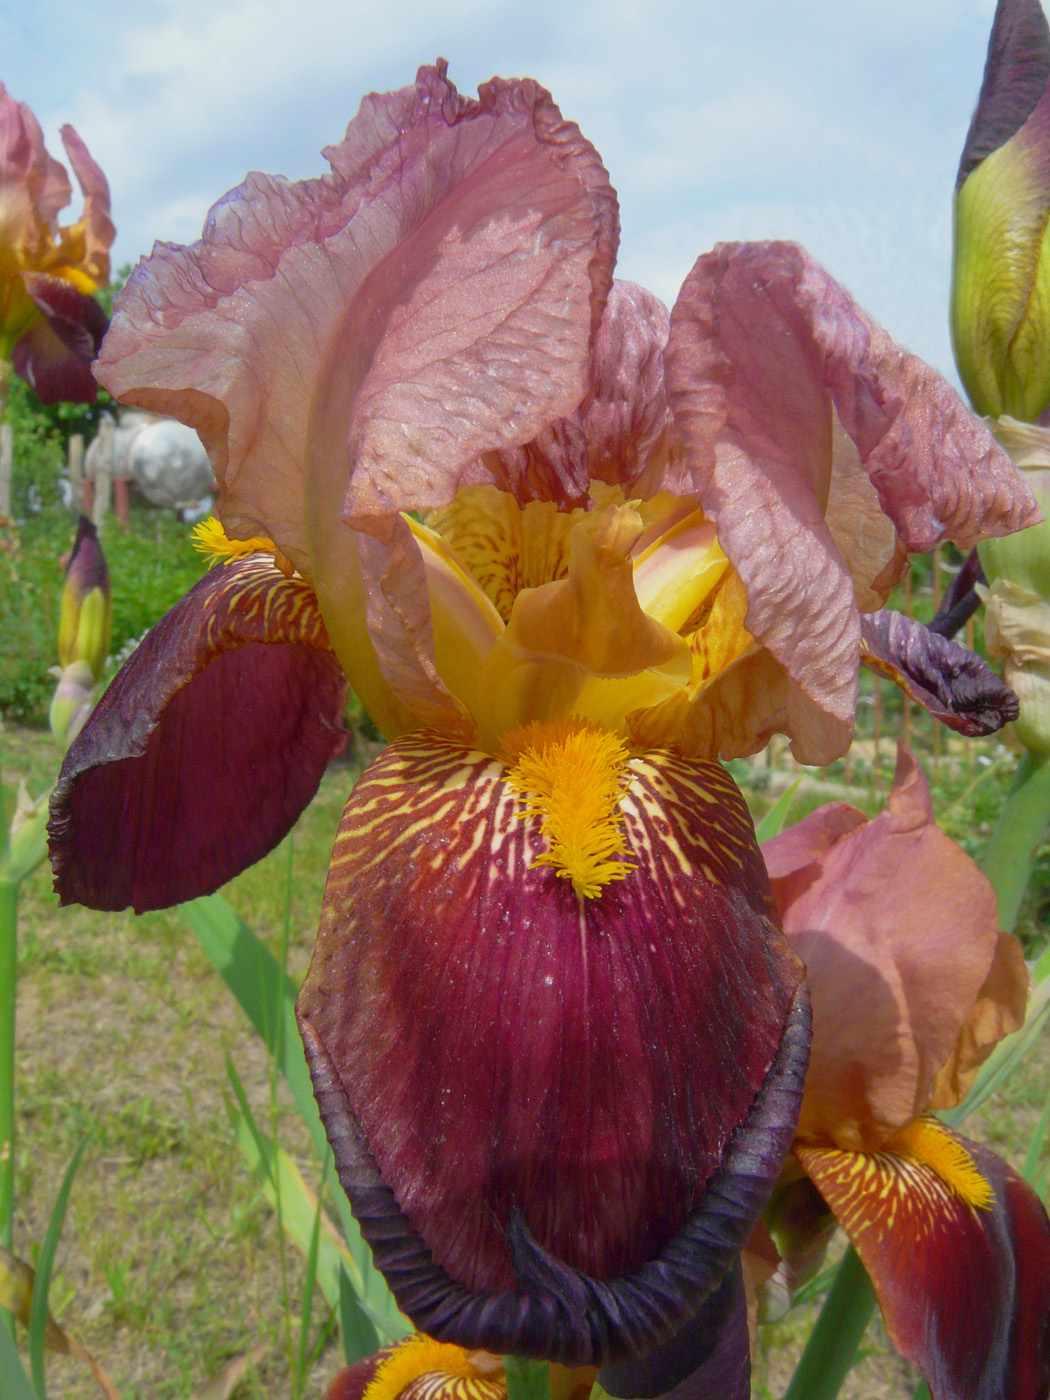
column 86, row 619
column 1001, row 263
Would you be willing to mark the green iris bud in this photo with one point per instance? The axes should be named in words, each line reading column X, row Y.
column 72, row 702
column 1000, row 302
column 86, row 618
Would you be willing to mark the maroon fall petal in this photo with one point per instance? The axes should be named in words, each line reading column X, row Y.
column 954, row 684
column 521, row 1073
column 205, row 748
column 54, row 372
column 76, row 318
column 1015, row 74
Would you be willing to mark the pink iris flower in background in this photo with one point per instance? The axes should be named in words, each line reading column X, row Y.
column 50, row 323
column 569, row 549
column 912, row 986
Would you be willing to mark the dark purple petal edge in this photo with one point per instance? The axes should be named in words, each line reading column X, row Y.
column 955, row 685
column 709, row 1358
column 560, row 1314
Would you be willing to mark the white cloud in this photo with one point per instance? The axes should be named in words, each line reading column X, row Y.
column 837, row 125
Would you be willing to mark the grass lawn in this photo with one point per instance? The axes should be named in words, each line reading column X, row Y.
column 171, row 1264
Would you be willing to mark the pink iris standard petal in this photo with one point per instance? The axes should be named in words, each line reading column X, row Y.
column 354, row 346
column 95, row 226
column 768, row 359
column 622, row 432
column 898, row 931
column 204, row 749
column 33, row 185
column 433, row 298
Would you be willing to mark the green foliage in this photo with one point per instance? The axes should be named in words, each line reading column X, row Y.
column 151, row 562
column 266, row 995
column 41, row 440
column 526, row 1380
column 42, row 431
column 38, row 1313
column 16, row 1383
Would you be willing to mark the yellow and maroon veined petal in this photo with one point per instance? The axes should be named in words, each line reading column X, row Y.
column 556, row 1116
column 963, row 1286
column 205, row 748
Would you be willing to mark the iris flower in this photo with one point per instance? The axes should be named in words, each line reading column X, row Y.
column 50, row 323
column 912, row 985
column 568, row 550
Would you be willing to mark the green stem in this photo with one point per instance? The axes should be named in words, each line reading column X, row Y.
column 833, row 1342
column 1022, row 824
column 8, row 956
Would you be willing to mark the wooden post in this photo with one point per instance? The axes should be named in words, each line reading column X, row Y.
column 76, row 471
column 7, row 452
column 122, row 505
column 104, row 471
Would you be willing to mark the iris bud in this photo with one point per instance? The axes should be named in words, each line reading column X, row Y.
column 1000, row 301
column 86, row 618
column 72, row 702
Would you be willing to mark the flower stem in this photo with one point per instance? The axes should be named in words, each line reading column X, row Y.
column 1022, row 824
column 526, row 1380
column 833, row 1342
column 8, row 958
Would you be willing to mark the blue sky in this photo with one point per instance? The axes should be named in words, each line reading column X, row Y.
column 838, row 125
